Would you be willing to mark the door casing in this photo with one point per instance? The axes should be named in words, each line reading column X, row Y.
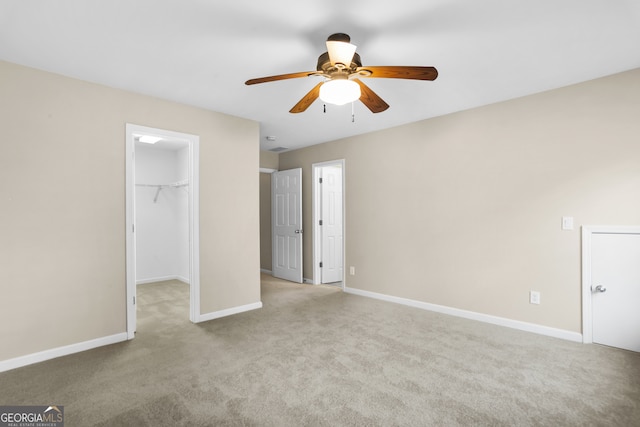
column 194, row 220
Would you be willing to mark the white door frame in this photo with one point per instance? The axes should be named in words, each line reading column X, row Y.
column 316, row 194
column 194, row 220
column 587, row 232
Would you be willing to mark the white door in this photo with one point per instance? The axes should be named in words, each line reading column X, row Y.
column 615, row 290
column 331, row 200
column 286, row 218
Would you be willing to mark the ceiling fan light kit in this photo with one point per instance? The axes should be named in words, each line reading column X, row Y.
column 342, row 70
column 340, row 53
column 340, row 92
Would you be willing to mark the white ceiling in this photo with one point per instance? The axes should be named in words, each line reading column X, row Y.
column 200, row 52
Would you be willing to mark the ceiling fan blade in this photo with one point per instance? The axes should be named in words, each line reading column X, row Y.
column 279, row 77
column 401, row 72
column 371, row 99
column 307, row 100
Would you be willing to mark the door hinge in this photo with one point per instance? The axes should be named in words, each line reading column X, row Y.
column 320, row 222
column 320, row 264
column 134, row 300
column 320, row 180
column 133, row 228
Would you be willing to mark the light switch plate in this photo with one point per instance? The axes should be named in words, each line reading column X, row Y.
column 534, row 297
column 567, row 223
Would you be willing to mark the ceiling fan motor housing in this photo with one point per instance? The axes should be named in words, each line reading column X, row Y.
column 339, row 37
column 324, row 63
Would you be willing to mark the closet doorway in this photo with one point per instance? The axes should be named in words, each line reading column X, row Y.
column 161, row 213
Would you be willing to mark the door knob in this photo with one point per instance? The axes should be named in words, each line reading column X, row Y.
column 599, row 288
column 298, row 232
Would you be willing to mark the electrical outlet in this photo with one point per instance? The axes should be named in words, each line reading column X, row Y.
column 534, row 297
column 352, row 270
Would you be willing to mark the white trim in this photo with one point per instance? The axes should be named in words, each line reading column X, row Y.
column 162, row 279
column 268, row 170
column 229, row 311
column 315, row 214
column 53, row 353
column 130, row 244
column 308, row 281
column 194, row 219
column 587, row 330
column 587, row 233
column 486, row 318
column 266, row 271
column 194, row 228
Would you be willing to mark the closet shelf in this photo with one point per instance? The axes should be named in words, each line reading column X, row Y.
column 177, row 184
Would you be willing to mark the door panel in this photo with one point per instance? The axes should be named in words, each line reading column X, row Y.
column 615, row 266
column 331, row 209
column 286, row 196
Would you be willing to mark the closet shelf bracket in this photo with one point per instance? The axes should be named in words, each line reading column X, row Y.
column 155, row 199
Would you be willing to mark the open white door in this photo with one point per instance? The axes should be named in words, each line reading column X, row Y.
column 615, row 289
column 286, row 218
column 331, row 229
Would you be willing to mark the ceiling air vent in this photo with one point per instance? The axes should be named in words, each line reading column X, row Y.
column 277, row 149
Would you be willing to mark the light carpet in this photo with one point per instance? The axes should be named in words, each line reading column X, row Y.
column 315, row 356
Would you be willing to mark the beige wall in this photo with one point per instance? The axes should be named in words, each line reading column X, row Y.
column 265, row 221
column 62, row 222
column 465, row 210
column 269, row 160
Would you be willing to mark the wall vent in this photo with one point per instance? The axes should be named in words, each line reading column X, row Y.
column 277, row 149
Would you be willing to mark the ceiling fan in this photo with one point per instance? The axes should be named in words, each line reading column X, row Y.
column 342, row 69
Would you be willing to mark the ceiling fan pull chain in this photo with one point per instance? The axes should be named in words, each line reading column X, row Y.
column 324, row 108
column 353, row 114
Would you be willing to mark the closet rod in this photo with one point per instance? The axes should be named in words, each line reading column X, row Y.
column 176, row 184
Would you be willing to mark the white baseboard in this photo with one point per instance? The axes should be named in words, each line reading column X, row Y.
column 229, row 312
column 162, row 279
column 486, row 318
column 264, row 270
column 29, row 359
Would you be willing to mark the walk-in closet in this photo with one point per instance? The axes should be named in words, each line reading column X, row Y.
column 162, row 211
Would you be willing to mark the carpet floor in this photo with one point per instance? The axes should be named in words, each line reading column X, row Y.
column 315, row 356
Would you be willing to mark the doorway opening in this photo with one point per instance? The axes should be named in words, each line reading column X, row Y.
column 162, row 223
column 328, row 222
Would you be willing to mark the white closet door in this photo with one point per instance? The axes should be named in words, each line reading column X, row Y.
column 286, row 217
column 331, row 224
